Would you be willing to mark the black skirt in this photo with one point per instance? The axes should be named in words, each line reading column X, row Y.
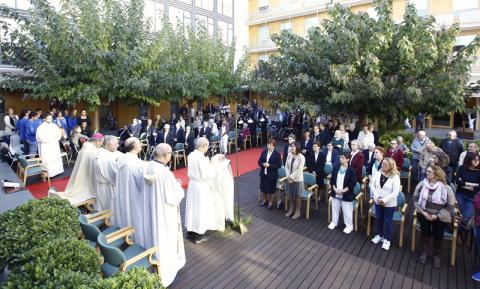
column 268, row 186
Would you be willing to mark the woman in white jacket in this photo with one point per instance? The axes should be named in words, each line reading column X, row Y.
column 385, row 189
column 294, row 172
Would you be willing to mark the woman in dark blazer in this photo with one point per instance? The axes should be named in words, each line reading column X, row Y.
column 343, row 183
column 270, row 161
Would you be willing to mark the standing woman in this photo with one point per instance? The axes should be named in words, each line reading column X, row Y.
column 224, row 137
column 269, row 162
column 434, row 201
column 343, row 183
column 385, row 189
column 467, row 179
column 294, row 171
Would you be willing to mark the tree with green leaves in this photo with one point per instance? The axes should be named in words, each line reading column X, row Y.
column 88, row 52
column 354, row 63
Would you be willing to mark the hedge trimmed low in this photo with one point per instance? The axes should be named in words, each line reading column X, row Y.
column 136, row 278
column 34, row 223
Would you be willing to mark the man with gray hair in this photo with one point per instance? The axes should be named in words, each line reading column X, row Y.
column 418, row 144
column 105, row 173
column 128, row 201
column 202, row 202
column 161, row 214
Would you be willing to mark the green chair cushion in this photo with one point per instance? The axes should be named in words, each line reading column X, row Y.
column 34, row 171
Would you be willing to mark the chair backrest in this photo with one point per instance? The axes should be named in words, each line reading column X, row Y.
column 215, row 138
column 112, row 255
column 15, row 140
column 179, row 146
column 90, row 231
column 23, row 161
column 400, row 200
column 309, row 179
column 357, row 189
column 406, row 164
column 281, row 172
column 328, row 168
column 143, row 135
column 258, row 130
column 231, row 135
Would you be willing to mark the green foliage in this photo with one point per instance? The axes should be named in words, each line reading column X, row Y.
column 57, row 262
column 375, row 67
column 34, row 223
column 135, row 278
column 388, row 136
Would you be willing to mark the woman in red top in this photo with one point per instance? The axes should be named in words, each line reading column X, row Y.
column 395, row 153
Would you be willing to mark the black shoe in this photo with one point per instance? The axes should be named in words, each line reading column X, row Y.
column 263, row 204
column 200, row 239
column 280, row 206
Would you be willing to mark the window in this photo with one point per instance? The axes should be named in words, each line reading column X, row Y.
column 179, row 16
column 263, row 57
column 459, row 5
column 262, row 4
column 263, row 35
column 225, row 7
column 372, row 13
column 309, row 23
column 225, row 31
column 205, row 4
column 154, row 12
column 421, row 5
column 205, row 22
column 286, row 26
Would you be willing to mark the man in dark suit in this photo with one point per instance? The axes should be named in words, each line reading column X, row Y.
column 205, row 131
column 290, row 140
column 357, row 160
column 180, row 134
column 453, row 147
column 149, row 129
column 317, row 137
column 331, row 155
column 325, row 135
column 189, row 139
column 307, row 144
column 166, row 136
column 316, row 163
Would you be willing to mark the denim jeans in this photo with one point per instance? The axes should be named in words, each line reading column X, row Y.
column 465, row 204
column 32, row 147
column 384, row 221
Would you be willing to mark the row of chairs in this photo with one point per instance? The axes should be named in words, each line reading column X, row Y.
column 361, row 191
column 120, row 253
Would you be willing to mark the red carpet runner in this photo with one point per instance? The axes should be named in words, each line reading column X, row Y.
column 247, row 162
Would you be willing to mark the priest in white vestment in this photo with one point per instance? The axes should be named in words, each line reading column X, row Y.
column 105, row 173
column 225, row 186
column 80, row 186
column 48, row 137
column 128, row 201
column 161, row 214
column 202, row 202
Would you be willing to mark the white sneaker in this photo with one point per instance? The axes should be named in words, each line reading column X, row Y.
column 332, row 226
column 347, row 230
column 386, row 245
column 377, row 239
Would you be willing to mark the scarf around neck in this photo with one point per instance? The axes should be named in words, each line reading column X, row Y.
column 439, row 195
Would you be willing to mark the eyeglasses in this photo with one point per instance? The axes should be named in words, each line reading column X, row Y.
column 393, row 143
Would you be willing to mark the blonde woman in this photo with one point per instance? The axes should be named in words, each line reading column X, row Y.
column 385, row 189
column 294, row 171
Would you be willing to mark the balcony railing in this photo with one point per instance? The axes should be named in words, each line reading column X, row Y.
column 467, row 18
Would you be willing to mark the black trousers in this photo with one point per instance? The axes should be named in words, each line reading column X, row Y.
column 433, row 229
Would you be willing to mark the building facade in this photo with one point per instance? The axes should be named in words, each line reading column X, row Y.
column 216, row 15
column 267, row 17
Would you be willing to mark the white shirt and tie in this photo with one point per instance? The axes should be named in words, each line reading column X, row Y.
column 328, row 159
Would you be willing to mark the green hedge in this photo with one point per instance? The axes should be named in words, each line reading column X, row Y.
column 388, row 136
column 34, row 223
column 39, row 241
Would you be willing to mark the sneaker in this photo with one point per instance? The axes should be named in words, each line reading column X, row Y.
column 476, row 276
column 332, row 226
column 347, row 230
column 377, row 239
column 200, row 239
column 386, row 245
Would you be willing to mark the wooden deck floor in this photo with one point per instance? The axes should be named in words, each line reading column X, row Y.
column 278, row 252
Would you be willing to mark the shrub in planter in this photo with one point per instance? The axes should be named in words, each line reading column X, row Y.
column 54, row 263
column 135, row 278
column 34, row 223
column 62, row 280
